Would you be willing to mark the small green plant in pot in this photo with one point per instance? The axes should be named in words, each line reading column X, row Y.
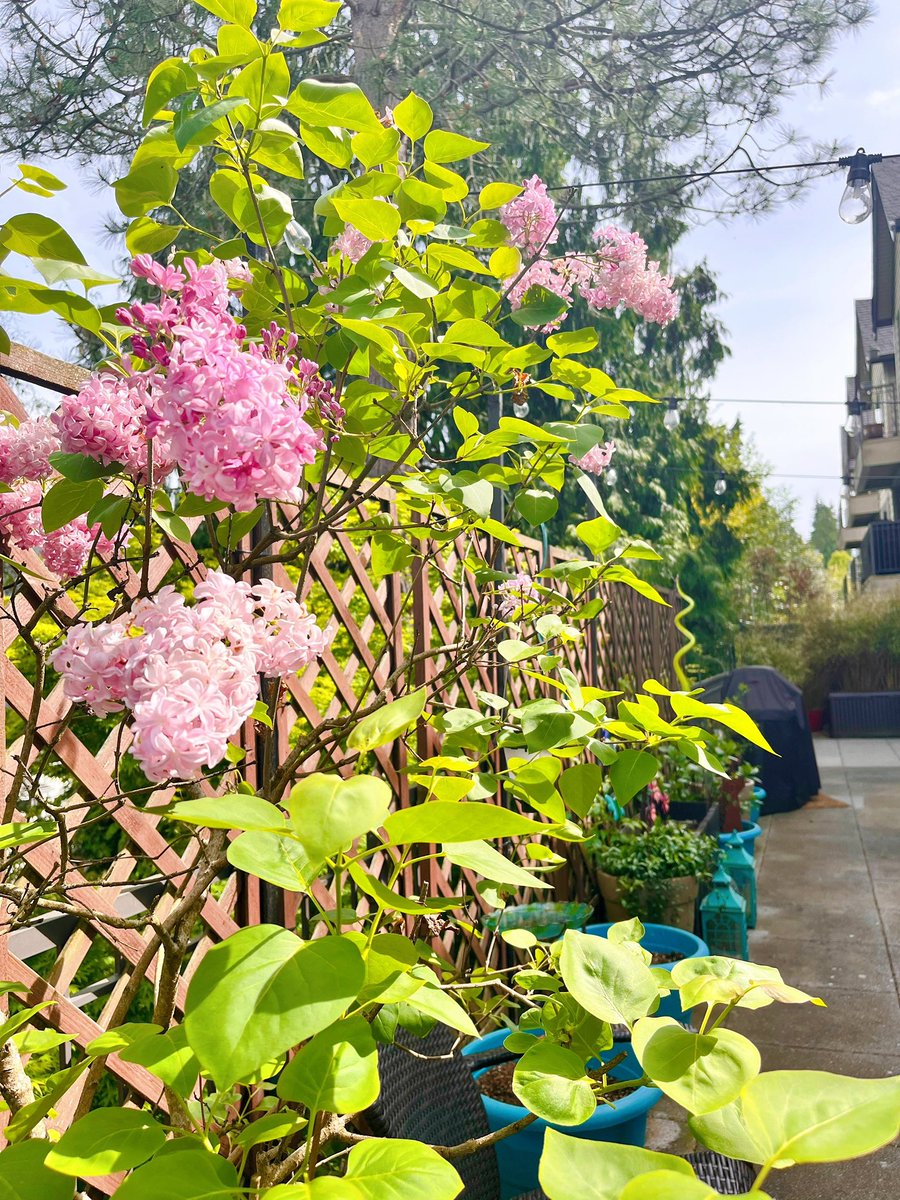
column 654, row 873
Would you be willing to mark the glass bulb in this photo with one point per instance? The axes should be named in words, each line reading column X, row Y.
column 296, row 238
column 856, row 202
column 611, row 476
column 853, row 425
column 520, row 408
column 720, row 486
column 672, row 419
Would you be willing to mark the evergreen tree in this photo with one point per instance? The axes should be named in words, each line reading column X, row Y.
column 825, row 529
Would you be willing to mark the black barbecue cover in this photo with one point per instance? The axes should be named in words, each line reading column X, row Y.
column 777, row 707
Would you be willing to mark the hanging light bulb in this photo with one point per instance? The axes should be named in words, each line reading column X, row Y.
column 721, row 485
column 611, row 476
column 853, row 425
column 672, row 419
column 296, row 238
column 856, row 202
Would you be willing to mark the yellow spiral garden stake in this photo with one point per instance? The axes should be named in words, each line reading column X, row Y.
column 689, row 640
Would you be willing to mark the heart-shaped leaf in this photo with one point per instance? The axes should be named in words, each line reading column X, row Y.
column 106, row 1140
column 336, row 1071
column 609, row 981
column 263, row 991
column 573, row 1168
column 328, row 813
column 701, row 1072
column 550, row 1081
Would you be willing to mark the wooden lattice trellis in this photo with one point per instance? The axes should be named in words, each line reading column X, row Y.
column 83, row 966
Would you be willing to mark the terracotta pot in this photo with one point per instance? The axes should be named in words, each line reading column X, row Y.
column 678, row 912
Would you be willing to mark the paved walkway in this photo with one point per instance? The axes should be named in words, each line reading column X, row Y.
column 829, row 919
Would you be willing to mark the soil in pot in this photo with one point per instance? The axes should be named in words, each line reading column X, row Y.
column 497, row 1083
column 668, row 956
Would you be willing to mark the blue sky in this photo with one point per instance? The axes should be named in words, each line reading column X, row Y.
column 791, row 277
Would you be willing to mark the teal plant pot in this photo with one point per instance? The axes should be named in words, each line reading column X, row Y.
column 518, row 1156
column 748, row 834
column 759, row 799
column 665, row 939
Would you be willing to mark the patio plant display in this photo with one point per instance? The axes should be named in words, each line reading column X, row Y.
column 654, row 873
column 245, row 415
column 690, row 789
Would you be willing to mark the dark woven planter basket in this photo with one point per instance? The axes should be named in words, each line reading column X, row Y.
column 428, row 1095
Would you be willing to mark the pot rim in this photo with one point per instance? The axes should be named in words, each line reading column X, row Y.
column 639, row 1102
column 749, row 832
column 659, row 938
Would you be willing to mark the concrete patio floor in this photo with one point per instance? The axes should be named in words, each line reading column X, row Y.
column 829, row 920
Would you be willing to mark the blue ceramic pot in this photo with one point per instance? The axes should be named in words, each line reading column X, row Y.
column 518, row 1156
column 748, row 834
column 666, row 939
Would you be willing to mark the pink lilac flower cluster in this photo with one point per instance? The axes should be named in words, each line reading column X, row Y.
column 20, row 516
column 623, row 276
column 515, row 593
column 351, row 243
column 321, row 395
column 596, row 460
column 230, row 415
column 25, row 450
column 531, row 218
column 315, row 390
column 66, row 550
column 617, row 275
column 107, row 420
column 189, row 674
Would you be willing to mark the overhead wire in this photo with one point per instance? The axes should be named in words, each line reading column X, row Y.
column 700, row 174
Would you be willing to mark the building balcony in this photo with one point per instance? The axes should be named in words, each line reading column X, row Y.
column 851, row 536
column 864, row 508
column 880, row 550
column 876, row 463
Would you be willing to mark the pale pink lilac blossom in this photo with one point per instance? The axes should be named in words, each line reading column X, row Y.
column 230, row 415
column 531, row 218
column 623, row 276
column 25, row 450
column 107, row 421
column 617, row 275
column 233, row 427
column 66, row 551
column 20, row 516
column 351, row 244
column 189, row 674
column 596, row 460
column 515, row 593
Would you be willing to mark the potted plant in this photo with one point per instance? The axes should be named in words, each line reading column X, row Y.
column 623, row 1119
column 654, row 873
column 668, row 945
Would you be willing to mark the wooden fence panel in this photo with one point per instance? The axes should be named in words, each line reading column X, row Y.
column 377, row 625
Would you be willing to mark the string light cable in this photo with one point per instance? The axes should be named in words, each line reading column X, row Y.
column 855, row 205
column 858, row 179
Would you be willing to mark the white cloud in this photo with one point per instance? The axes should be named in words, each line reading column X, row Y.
column 885, row 98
